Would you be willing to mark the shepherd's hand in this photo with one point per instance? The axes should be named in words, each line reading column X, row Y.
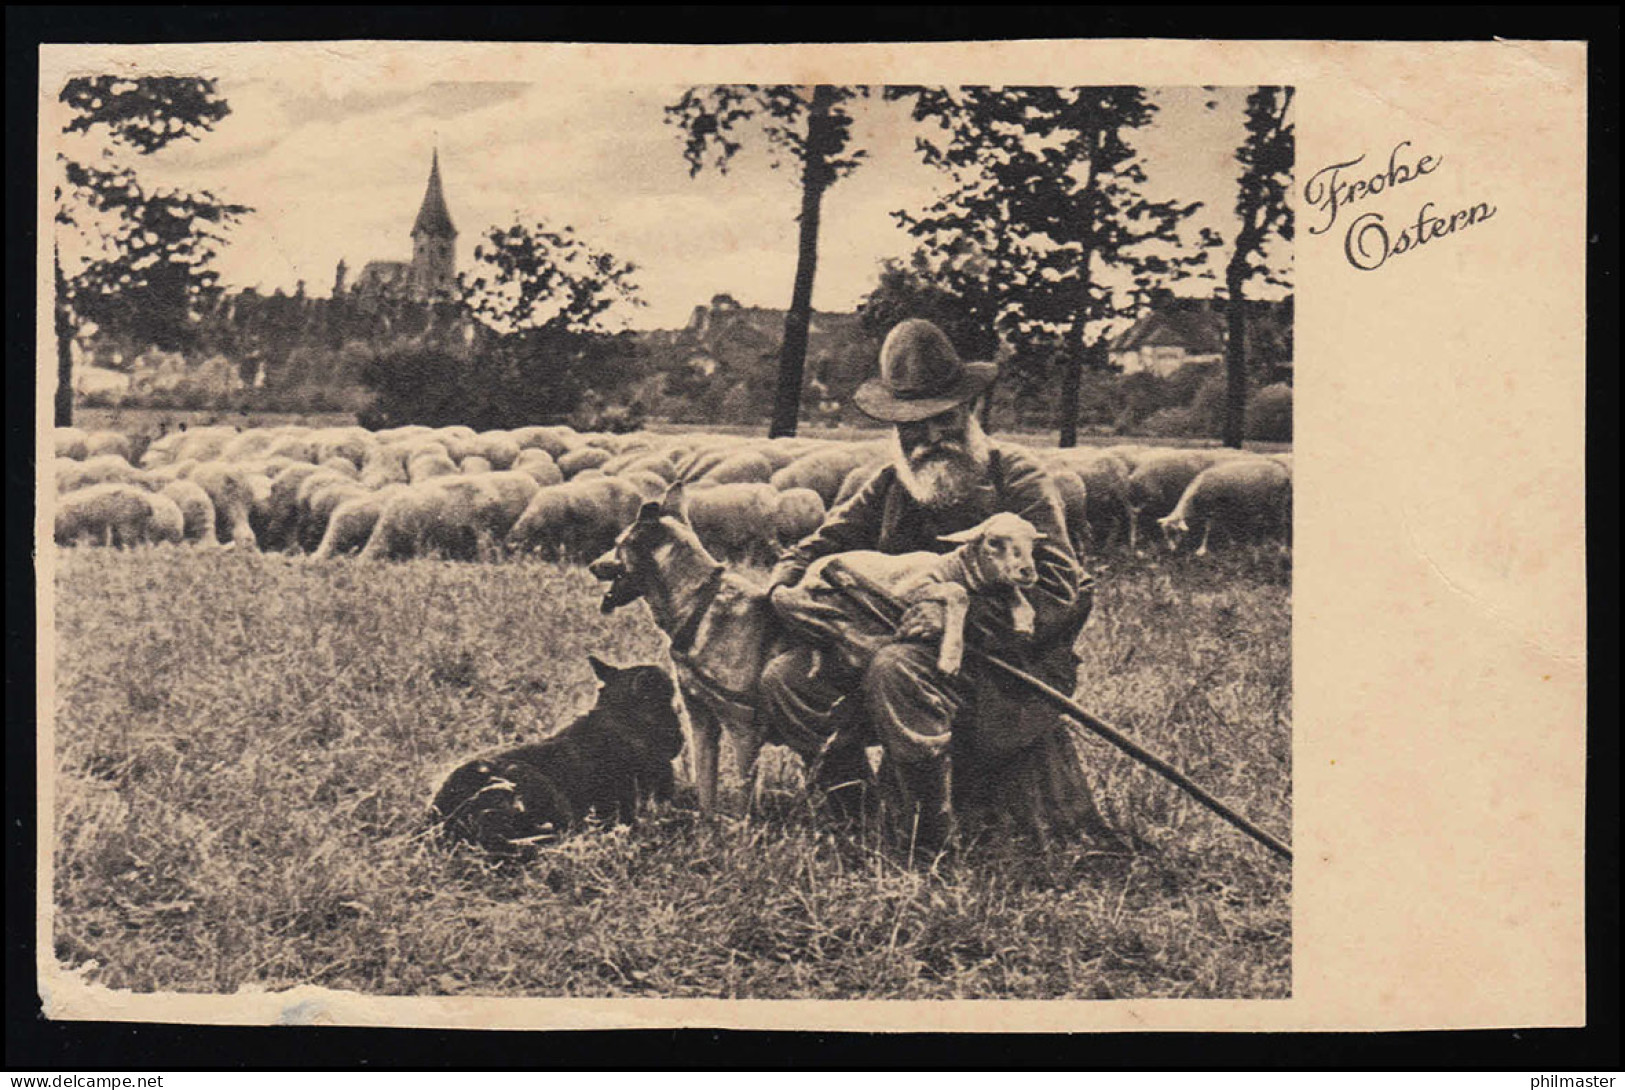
column 921, row 621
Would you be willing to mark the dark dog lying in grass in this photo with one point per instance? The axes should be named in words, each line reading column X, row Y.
column 601, row 764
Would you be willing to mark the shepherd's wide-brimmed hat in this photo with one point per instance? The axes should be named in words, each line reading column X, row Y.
column 920, row 376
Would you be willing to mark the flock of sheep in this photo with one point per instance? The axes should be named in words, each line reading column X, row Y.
column 451, row 491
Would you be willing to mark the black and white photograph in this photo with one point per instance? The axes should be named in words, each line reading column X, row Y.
column 545, row 538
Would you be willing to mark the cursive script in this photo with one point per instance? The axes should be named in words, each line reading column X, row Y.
column 1371, row 239
column 1369, row 244
column 1329, row 189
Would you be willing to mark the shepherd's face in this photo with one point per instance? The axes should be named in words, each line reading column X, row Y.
column 941, row 460
column 943, row 436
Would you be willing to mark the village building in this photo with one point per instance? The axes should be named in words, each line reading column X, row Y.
column 432, row 272
column 1175, row 332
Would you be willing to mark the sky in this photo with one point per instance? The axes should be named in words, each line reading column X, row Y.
column 337, row 170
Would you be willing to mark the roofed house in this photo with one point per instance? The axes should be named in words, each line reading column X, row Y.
column 1167, row 338
column 1177, row 331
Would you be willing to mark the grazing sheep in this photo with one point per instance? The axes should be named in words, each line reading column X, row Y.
column 307, row 528
column 161, row 451
column 403, row 433
column 581, row 459
column 71, row 476
column 339, row 465
column 158, row 476
column 1244, row 498
column 736, row 521
column 824, row 470
column 450, row 516
column 1104, row 473
column 744, row 467
column 650, row 485
column 232, row 494
column 121, row 515
column 352, row 523
column 539, row 465
column 1160, row 477
column 384, row 465
column 800, row 513
column 474, row 464
column 249, row 444
column 70, row 443
column 555, row 440
column 168, row 523
column 107, row 442
column 259, row 490
column 283, row 507
column 1075, row 507
column 429, row 462
column 653, row 461
column 354, row 445
column 701, row 460
column 781, row 452
column 576, row 519
column 495, row 448
column 514, row 489
column 323, row 499
column 196, row 508
column 202, row 444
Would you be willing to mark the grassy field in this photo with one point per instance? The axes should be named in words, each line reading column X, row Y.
column 246, row 745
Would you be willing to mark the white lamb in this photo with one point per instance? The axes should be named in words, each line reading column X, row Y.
column 994, row 558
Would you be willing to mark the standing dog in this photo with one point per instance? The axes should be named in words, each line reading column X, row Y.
column 722, row 626
column 603, row 764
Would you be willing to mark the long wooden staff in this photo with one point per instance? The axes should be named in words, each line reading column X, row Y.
column 849, row 581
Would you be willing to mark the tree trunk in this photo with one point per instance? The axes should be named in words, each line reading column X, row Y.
column 1235, row 363
column 64, row 351
column 1071, row 383
column 793, row 354
column 1072, row 378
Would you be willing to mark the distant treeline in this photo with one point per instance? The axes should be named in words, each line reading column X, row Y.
column 393, row 361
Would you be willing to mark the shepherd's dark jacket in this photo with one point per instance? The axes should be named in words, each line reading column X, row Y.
column 883, row 516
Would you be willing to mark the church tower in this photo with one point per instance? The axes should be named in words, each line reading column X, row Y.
column 434, row 242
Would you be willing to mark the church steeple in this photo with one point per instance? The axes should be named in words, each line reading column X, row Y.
column 434, row 241
column 433, row 218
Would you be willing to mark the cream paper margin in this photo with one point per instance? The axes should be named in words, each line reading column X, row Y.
column 1439, row 612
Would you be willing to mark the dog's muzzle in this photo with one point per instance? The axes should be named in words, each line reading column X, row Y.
column 622, row 587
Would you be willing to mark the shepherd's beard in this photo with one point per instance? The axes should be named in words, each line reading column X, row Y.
column 941, row 478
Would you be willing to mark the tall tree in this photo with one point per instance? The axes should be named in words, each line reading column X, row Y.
column 1266, row 156
column 809, row 126
column 1045, row 198
column 141, row 256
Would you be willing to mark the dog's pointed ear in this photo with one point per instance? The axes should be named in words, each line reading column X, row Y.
column 675, row 502
column 603, row 669
column 649, row 512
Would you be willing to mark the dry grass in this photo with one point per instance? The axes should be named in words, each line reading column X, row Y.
column 246, row 745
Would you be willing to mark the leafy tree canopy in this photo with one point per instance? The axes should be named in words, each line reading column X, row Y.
column 139, row 255
column 1045, row 192
column 528, row 277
